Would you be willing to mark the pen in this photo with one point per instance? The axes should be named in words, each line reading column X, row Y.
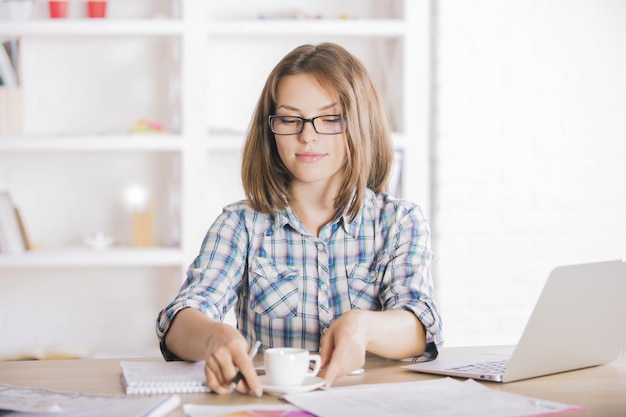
column 239, row 376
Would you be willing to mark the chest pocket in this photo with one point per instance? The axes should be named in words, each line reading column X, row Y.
column 274, row 289
column 364, row 288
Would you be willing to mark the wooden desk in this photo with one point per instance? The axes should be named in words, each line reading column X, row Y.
column 601, row 390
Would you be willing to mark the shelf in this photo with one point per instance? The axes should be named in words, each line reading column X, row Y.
column 74, row 257
column 326, row 27
column 93, row 27
column 82, row 143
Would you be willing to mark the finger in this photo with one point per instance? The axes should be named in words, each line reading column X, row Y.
column 250, row 383
column 330, row 373
column 344, row 358
column 212, row 379
column 331, row 361
column 326, row 348
column 221, row 366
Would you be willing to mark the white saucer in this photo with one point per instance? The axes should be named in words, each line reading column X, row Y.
column 310, row 383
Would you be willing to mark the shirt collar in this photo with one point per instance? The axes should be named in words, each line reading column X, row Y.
column 352, row 228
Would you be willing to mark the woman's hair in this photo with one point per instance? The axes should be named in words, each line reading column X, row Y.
column 370, row 153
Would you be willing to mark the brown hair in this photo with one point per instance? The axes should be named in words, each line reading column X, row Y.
column 368, row 141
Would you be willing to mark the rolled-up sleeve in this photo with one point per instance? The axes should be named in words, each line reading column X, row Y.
column 212, row 278
column 407, row 282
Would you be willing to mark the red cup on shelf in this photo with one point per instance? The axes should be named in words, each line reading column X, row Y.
column 96, row 8
column 58, row 8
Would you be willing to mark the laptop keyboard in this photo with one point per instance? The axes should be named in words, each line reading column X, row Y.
column 492, row 368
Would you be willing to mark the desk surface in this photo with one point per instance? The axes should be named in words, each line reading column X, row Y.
column 600, row 390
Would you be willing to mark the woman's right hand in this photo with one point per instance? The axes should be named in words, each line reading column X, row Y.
column 227, row 354
column 194, row 337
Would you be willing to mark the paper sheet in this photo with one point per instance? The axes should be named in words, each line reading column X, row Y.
column 251, row 410
column 37, row 402
column 445, row 397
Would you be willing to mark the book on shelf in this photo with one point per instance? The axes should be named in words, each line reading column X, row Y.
column 9, row 63
column 160, row 377
column 12, row 231
column 20, row 222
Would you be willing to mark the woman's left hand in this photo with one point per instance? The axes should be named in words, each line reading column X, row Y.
column 343, row 346
column 393, row 334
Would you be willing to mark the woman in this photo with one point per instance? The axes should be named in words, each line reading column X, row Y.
column 317, row 256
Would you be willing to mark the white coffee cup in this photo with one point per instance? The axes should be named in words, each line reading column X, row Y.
column 290, row 366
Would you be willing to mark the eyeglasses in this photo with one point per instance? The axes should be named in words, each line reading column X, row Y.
column 330, row 124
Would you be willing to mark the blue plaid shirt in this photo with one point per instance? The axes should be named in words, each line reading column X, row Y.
column 287, row 286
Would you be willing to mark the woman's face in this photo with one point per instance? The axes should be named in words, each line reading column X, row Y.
column 309, row 156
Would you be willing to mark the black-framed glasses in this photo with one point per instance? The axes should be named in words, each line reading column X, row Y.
column 330, row 124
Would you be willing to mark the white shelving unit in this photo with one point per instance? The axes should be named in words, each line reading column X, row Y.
column 86, row 257
column 198, row 70
column 89, row 27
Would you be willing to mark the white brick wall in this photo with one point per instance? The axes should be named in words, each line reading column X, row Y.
column 529, row 153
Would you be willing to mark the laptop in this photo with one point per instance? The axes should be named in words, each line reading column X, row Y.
column 578, row 321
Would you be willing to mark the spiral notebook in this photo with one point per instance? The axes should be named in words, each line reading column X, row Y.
column 160, row 377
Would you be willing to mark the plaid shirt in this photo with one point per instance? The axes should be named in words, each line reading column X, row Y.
column 288, row 286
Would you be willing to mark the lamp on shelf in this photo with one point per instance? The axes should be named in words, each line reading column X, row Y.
column 142, row 228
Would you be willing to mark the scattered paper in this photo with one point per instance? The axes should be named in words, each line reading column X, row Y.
column 251, row 410
column 445, row 397
column 37, row 402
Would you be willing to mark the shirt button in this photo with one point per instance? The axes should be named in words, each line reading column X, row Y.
column 324, row 330
column 324, row 287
